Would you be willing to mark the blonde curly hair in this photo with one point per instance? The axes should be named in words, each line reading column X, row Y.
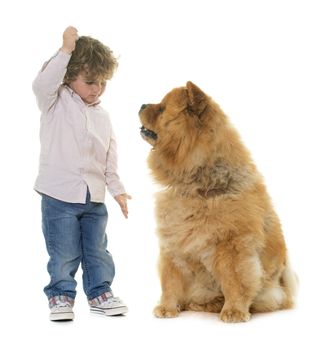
column 91, row 58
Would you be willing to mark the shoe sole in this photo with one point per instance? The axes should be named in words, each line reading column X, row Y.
column 62, row 316
column 109, row 312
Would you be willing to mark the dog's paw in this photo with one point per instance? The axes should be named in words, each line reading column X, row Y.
column 232, row 316
column 162, row 311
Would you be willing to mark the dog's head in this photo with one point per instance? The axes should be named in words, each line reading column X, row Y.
column 173, row 126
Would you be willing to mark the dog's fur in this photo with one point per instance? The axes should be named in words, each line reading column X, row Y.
column 221, row 243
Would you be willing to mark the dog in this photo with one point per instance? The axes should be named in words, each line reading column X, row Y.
column 222, row 248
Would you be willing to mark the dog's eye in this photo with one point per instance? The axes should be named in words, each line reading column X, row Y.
column 161, row 109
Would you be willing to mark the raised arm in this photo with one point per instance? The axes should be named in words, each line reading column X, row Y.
column 49, row 79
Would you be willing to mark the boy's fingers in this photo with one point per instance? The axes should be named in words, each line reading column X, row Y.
column 125, row 212
column 124, row 209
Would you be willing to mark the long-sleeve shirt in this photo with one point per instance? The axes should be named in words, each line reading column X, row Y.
column 78, row 146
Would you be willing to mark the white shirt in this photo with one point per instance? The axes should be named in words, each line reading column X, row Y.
column 78, row 146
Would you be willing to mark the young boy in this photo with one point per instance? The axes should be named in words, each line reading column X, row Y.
column 78, row 159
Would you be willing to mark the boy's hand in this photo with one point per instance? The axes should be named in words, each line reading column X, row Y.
column 122, row 201
column 69, row 39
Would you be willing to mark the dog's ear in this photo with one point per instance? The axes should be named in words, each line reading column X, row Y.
column 197, row 100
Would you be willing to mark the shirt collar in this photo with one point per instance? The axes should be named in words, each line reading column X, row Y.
column 75, row 95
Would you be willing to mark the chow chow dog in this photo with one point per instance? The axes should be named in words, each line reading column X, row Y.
column 221, row 244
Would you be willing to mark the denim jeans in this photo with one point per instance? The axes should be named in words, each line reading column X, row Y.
column 75, row 234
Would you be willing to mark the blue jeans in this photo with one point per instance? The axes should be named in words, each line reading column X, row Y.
column 75, row 233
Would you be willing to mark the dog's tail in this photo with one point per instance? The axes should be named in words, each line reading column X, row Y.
column 290, row 284
column 280, row 295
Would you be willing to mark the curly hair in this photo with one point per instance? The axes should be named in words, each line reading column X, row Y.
column 91, row 57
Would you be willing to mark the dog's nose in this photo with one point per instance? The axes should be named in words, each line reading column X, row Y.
column 143, row 107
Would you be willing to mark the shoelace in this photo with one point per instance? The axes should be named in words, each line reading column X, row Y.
column 111, row 301
column 62, row 305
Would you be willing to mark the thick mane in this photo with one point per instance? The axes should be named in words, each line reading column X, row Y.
column 211, row 160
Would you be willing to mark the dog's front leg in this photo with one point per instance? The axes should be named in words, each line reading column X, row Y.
column 172, row 285
column 239, row 274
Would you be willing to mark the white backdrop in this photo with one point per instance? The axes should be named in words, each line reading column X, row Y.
column 258, row 59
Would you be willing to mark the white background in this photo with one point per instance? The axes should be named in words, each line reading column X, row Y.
column 258, row 59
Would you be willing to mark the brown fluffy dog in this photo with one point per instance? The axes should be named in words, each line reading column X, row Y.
column 221, row 243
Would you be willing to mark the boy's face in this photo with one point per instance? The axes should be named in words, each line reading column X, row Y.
column 89, row 90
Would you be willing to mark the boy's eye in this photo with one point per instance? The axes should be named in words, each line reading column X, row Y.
column 103, row 83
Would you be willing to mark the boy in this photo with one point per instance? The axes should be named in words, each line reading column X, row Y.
column 78, row 158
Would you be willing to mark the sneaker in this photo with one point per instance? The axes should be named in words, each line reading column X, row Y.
column 107, row 305
column 61, row 308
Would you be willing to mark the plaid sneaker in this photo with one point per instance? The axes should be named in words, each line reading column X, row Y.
column 61, row 308
column 107, row 305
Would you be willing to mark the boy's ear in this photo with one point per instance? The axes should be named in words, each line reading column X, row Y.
column 197, row 100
